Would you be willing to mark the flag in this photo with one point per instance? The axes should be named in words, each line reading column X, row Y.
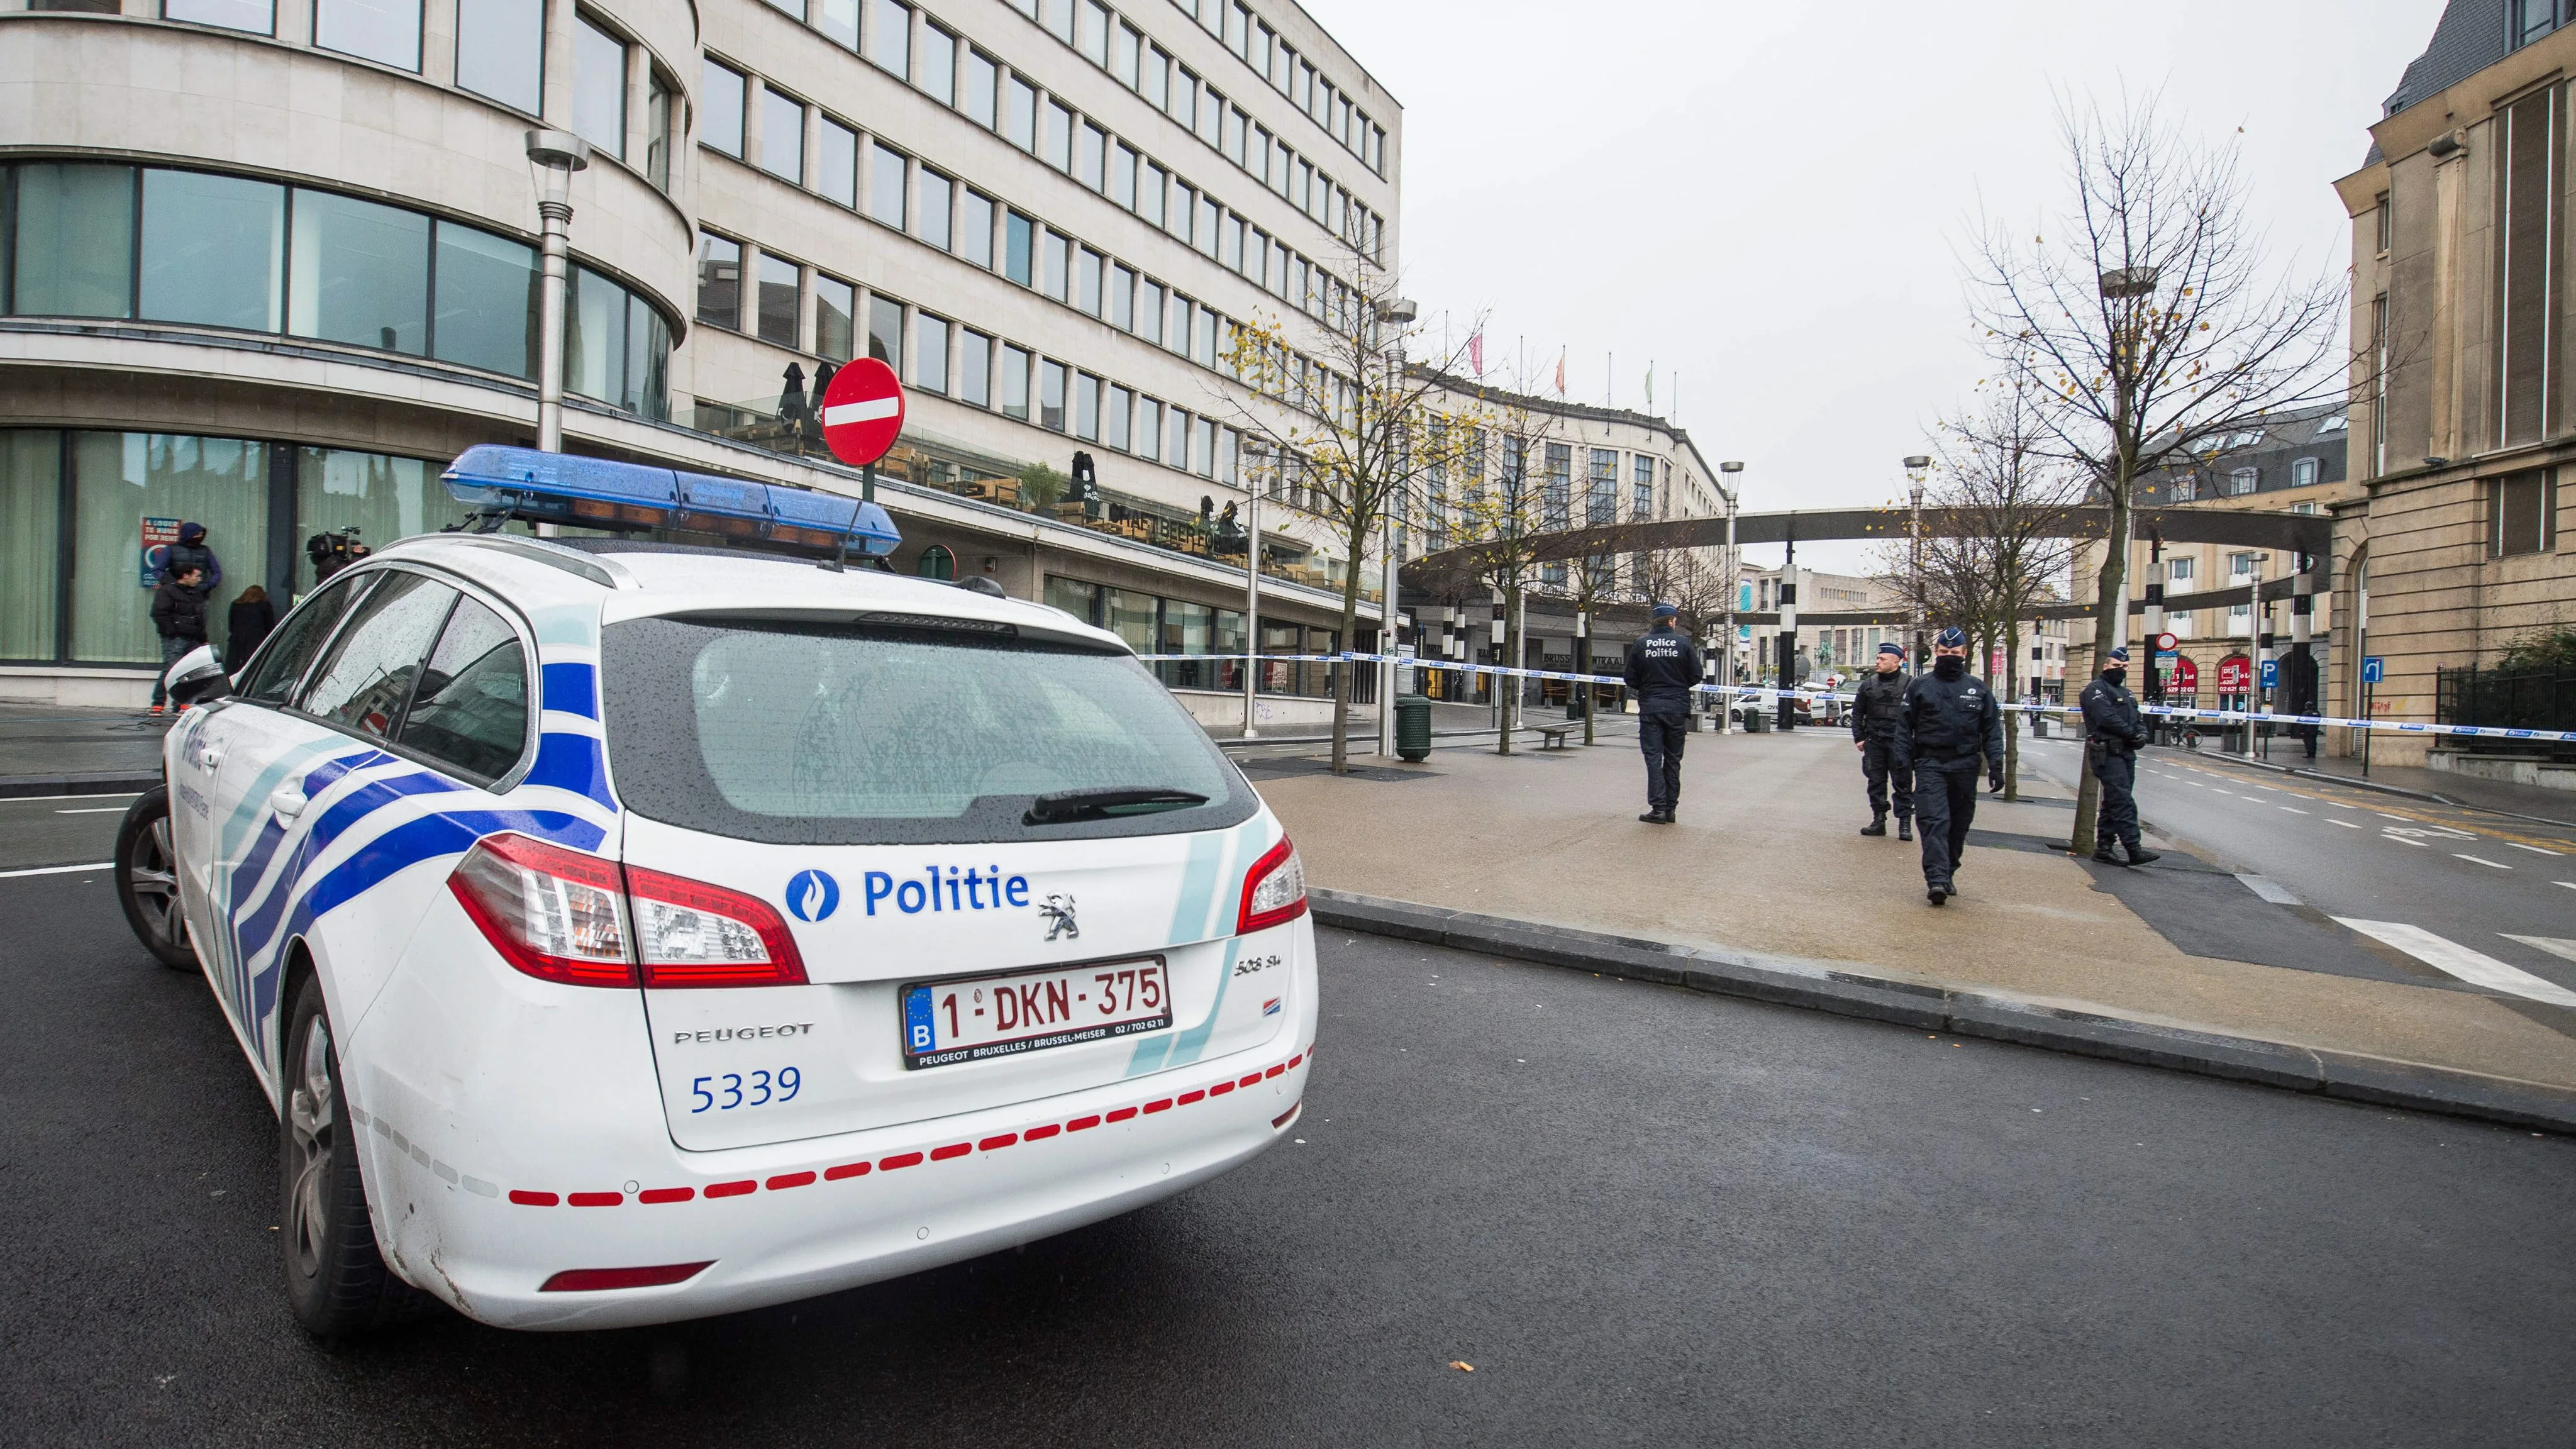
column 1560, row 372
column 1476, row 354
column 1650, row 389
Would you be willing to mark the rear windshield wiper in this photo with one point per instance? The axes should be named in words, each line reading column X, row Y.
column 1066, row 806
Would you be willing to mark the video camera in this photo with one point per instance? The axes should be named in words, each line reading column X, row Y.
column 334, row 551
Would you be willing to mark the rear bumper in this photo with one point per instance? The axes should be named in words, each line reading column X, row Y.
column 795, row 1220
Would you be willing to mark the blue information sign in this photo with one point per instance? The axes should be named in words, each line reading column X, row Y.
column 2271, row 674
column 2370, row 669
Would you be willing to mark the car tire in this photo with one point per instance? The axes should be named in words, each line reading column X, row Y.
column 147, row 881
column 336, row 1281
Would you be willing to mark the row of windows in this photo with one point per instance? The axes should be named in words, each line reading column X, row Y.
column 160, row 245
column 1013, row 105
column 2240, row 482
column 500, row 56
column 1154, row 625
column 1276, row 61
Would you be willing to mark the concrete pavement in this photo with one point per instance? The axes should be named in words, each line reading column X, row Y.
column 54, row 749
column 1765, row 859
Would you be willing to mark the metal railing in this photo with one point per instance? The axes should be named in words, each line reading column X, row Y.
column 2519, row 700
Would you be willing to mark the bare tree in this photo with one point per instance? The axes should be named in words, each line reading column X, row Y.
column 2151, row 325
column 1365, row 423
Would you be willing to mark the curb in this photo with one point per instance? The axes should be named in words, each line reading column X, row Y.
column 1821, row 986
column 25, row 787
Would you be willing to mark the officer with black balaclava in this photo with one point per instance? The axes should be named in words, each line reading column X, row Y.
column 2113, row 730
column 1662, row 667
column 1878, row 701
column 1949, row 720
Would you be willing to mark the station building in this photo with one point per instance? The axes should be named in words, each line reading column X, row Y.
column 267, row 266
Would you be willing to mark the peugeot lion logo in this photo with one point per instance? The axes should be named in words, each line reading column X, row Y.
column 812, row 895
column 1058, row 910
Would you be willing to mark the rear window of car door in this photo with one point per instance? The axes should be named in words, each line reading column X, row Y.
column 469, row 711
column 282, row 661
column 364, row 684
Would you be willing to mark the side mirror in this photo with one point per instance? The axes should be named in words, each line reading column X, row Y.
column 198, row 677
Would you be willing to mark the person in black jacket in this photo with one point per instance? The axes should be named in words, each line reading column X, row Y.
column 2113, row 730
column 192, row 551
column 248, row 623
column 1878, row 704
column 1950, row 718
column 179, row 615
column 1663, row 665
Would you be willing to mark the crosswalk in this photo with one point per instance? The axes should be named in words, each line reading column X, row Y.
column 2475, row 967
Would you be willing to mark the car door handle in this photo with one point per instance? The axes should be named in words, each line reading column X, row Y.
column 287, row 801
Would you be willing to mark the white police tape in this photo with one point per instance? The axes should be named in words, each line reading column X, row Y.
column 1755, row 691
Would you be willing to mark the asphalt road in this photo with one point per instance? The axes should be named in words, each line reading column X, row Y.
column 2492, row 883
column 1643, row 1216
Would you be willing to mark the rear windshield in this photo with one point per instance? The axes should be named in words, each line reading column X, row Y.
column 832, row 735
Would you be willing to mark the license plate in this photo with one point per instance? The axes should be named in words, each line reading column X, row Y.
column 999, row 1016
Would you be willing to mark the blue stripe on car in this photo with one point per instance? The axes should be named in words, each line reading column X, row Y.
column 572, row 689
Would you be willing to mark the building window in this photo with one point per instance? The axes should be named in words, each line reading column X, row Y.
column 836, row 162
column 2242, row 481
column 2179, row 570
column 2303, row 473
column 1058, row 148
column 722, row 90
column 1051, row 387
column 782, row 136
column 2384, row 223
column 929, row 353
column 1019, row 239
column 886, row 185
column 885, row 330
column 1602, row 503
column 598, row 84
column 1149, row 311
column 256, row 16
column 485, row 303
column 2519, row 504
column 210, row 248
column 1015, row 382
column 120, row 479
column 358, row 273
column 1055, row 266
column 657, row 130
column 974, row 227
column 983, row 88
column 890, row 37
column 719, row 280
column 384, row 31
column 974, row 369
column 777, row 308
column 931, row 204
column 1086, row 407
column 835, row 318
column 1115, row 402
column 501, row 53
column 1086, row 281
column 837, row 19
column 2528, row 20
column 1148, row 436
column 616, row 348
column 2527, row 163
column 1091, row 157
column 1641, row 497
column 1020, row 115
column 1122, row 176
column 1122, row 298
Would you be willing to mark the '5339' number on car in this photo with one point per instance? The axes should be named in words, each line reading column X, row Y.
column 728, row 1090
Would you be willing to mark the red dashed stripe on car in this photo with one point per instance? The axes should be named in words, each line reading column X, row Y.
column 950, row 1152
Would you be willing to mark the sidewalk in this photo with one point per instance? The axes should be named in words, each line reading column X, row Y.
column 59, row 750
column 1766, row 860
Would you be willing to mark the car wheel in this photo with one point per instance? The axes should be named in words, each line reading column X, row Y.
column 335, row 1278
column 147, row 881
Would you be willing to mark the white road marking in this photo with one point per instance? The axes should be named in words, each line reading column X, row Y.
column 32, row 799
column 58, row 869
column 95, row 810
column 2534, row 849
column 2346, row 824
column 2269, row 890
column 2475, row 967
column 2402, row 840
column 2400, row 819
column 2563, row 949
column 2570, row 884
column 2293, row 809
column 2489, row 864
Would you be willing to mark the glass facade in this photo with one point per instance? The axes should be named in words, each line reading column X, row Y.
column 501, row 53
column 598, row 85
column 384, row 31
column 166, row 245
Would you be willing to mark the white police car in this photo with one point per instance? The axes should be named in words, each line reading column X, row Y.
column 628, row 932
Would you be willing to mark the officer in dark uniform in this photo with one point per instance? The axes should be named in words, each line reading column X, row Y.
column 1878, row 701
column 2113, row 730
column 1950, row 718
column 1663, row 664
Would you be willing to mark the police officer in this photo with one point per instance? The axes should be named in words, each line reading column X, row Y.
column 2113, row 730
column 1949, row 719
column 1878, row 700
column 1663, row 664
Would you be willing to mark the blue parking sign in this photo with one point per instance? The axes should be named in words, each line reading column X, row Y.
column 2370, row 669
column 2271, row 674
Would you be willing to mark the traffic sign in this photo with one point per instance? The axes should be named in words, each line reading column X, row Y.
column 2271, row 674
column 2165, row 642
column 2235, row 674
column 2370, row 669
column 862, row 411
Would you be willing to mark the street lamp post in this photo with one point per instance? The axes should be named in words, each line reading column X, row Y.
column 1915, row 463
column 553, row 156
column 1251, row 598
column 1731, row 486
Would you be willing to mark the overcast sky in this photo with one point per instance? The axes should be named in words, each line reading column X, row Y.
column 1770, row 198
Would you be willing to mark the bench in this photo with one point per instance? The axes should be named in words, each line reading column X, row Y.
column 1552, row 736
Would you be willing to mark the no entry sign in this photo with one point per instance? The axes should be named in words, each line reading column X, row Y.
column 862, row 412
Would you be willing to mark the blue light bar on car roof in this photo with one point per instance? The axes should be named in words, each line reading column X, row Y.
column 539, row 487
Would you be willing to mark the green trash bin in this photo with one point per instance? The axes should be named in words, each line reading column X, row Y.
column 1413, row 727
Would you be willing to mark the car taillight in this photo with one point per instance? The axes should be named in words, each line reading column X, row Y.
column 1274, row 890
column 689, row 933
column 556, row 914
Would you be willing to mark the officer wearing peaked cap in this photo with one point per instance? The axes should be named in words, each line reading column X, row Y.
column 1949, row 719
column 2113, row 731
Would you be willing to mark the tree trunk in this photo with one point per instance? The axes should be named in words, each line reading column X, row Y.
column 1342, row 667
column 1508, row 686
column 2106, row 602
